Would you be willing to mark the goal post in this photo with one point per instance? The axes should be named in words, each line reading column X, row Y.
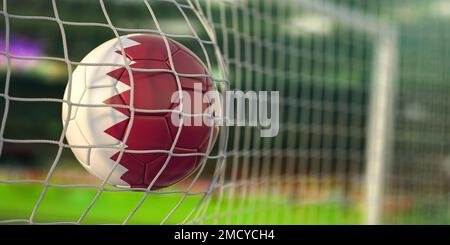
column 382, row 99
column 381, row 124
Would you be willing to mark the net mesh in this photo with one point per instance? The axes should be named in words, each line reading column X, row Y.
column 363, row 112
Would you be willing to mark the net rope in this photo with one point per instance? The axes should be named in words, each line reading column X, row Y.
column 253, row 163
column 60, row 143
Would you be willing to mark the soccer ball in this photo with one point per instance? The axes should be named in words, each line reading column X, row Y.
column 100, row 102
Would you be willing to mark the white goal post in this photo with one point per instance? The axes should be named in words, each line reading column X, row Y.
column 381, row 106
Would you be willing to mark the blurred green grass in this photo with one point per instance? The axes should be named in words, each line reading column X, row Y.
column 67, row 205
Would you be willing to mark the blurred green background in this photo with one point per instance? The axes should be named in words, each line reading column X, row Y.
column 326, row 66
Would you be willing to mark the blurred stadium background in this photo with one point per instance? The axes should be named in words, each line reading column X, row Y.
column 365, row 112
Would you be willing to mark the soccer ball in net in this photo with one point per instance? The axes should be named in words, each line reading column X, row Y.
column 119, row 126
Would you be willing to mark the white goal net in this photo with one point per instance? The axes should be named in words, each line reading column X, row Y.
column 363, row 111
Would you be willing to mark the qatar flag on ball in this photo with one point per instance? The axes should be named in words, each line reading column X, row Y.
column 99, row 119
